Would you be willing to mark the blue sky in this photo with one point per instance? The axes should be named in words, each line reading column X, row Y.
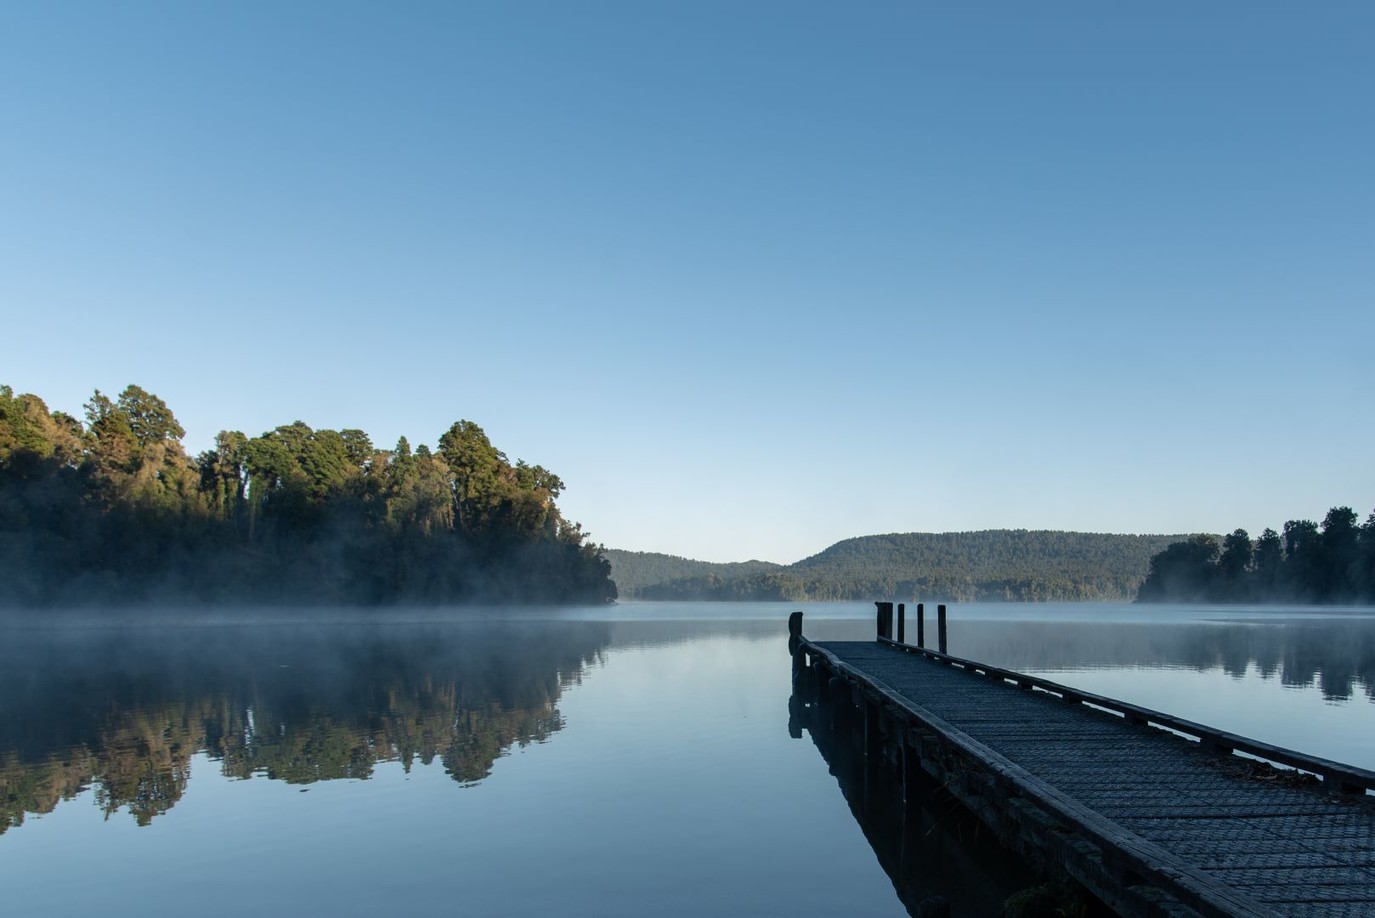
column 751, row 277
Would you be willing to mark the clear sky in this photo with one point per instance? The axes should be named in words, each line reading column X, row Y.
column 752, row 277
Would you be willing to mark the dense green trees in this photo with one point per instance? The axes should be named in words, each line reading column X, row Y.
column 115, row 511
column 991, row 565
column 1329, row 563
column 638, row 573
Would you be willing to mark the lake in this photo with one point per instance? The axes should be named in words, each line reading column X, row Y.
column 637, row 759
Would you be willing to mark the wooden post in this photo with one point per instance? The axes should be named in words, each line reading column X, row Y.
column 794, row 632
column 940, row 627
column 885, row 619
column 921, row 624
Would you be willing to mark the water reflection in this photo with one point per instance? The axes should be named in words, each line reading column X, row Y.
column 1336, row 655
column 124, row 711
column 928, row 844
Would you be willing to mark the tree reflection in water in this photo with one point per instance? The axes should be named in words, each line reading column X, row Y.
column 1335, row 654
column 125, row 710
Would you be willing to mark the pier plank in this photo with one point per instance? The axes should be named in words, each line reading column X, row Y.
column 1155, row 822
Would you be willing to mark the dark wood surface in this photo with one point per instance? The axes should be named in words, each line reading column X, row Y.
column 1291, row 848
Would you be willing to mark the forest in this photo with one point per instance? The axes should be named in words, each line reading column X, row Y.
column 999, row 565
column 113, row 511
column 1331, row 562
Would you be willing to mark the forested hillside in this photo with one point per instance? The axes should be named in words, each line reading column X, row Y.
column 113, row 511
column 990, row 565
column 1307, row 563
column 633, row 571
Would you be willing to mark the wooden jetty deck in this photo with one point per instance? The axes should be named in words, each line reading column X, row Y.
column 1152, row 814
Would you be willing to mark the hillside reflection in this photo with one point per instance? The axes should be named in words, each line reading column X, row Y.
column 1336, row 655
column 124, row 711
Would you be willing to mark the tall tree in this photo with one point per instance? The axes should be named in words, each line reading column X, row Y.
column 481, row 474
column 1338, row 554
column 1267, row 559
column 1184, row 572
column 1233, row 564
column 1302, row 560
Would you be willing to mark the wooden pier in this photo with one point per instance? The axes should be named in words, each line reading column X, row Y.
column 1150, row 813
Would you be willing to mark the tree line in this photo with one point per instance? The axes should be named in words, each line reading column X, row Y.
column 113, row 510
column 995, row 565
column 1331, row 562
column 637, row 573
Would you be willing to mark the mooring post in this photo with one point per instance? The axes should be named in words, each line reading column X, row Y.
column 794, row 632
column 885, row 619
column 902, row 623
column 921, row 624
column 940, row 627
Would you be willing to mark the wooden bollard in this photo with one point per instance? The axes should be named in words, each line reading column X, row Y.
column 940, row 627
column 921, row 624
column 795, row 625
column 902, row 623
column 885, row 619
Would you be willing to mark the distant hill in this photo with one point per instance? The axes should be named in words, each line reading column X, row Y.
column 990, row 565
column 633, row 571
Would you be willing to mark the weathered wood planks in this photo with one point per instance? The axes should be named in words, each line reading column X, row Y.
column 1150, row 822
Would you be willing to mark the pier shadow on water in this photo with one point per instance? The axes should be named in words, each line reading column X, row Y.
column 939, row 857
column 123, row 711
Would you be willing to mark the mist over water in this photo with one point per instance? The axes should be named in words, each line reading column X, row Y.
column 601, row 761
column 125, row 709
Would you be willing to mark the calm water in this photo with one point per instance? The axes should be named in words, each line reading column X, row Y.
column 643, row 759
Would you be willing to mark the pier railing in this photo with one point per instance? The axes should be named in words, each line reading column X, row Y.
column 1339, row 776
